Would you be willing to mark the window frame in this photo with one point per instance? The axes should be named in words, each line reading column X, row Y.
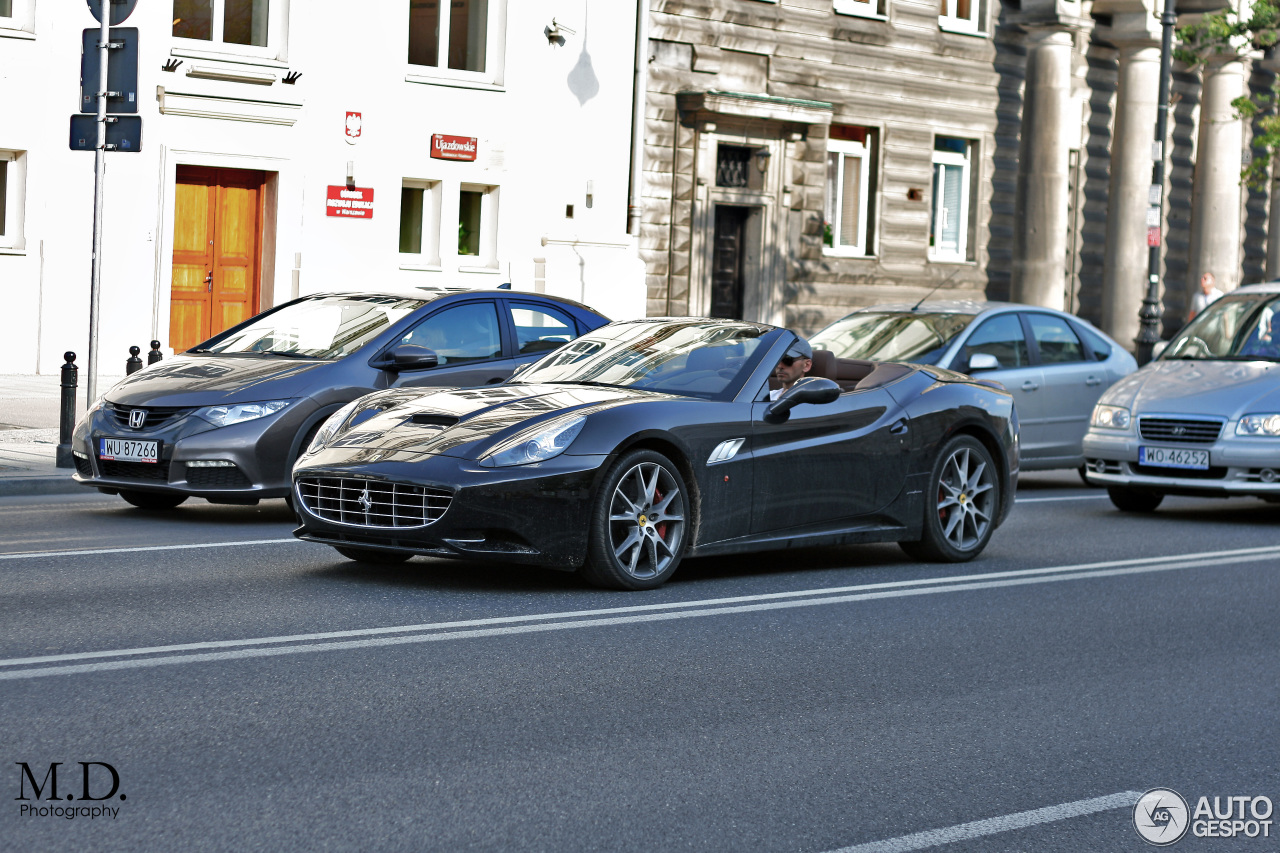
column 974, row 25
column 492, row 304
column 21, row 20
column 13, row 241
column 961, row 361
column 275, row 50
column 876, row 9
column 864, row 151
column 951, row 159
column 1033, row 340
column 487, row 258
column 495, row 54
column 428, row 257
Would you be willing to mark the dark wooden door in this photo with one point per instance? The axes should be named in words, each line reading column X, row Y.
column 217, row 244
column 726, row 263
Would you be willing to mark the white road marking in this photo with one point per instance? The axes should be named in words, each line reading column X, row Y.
column 140, row 549
column 991, row 826
column 500, row 626
column 1062, row 498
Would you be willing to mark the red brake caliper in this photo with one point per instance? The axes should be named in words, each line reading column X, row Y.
column 662, row 528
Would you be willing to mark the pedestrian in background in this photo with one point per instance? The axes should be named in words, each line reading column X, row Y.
column 1208, row 293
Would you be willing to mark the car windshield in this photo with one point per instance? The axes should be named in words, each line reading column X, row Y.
column 321, row 327
column 1244, row 327
column 698, row 358
column 908, row 336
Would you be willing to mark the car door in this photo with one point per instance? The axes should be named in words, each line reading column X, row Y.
column 1004, row 337
column 538, row 328
column 827, row 462
column 1073, row 382
column 467, row 338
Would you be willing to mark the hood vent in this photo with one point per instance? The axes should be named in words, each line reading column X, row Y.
column 432, row 419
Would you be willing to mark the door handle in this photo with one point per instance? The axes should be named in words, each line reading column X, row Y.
column 1030, row 386
column 208, row 281
column 1093, row 380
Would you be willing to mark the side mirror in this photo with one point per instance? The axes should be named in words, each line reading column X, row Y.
column 407, row 357
column 983, row 361
column 522, row 368
column 811, row 389
column 1160, row 346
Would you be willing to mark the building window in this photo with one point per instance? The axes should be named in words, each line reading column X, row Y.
column 477, row 224
column 461, row 39
column 17, row 18
column 246, row 26
column 861, row 8
column 963, row 16
column 12, row 184
column 949, row 222
column 851, row 180
column 6, row 8
column 420, row 223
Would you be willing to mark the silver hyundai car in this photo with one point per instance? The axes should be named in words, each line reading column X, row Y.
column 1203, row 419
column 1055, row 364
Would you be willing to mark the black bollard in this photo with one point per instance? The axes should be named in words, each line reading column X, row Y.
column 155, row 354
column 133, row 363
column 67, row 415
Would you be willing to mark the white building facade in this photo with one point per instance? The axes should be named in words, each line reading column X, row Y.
column 289, row 148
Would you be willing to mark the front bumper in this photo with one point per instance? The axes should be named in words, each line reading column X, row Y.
column 1237, row 466
column 535, row 514
column 258, row 452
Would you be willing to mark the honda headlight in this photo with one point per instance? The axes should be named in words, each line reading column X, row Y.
column 221, row 416
column 1268, row 424
column 330, row 427
column 1111, row 417
column 546, row 442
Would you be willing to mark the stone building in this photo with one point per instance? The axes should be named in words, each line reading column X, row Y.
column 805, row 157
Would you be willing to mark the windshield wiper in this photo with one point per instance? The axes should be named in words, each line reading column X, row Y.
column 292, row 354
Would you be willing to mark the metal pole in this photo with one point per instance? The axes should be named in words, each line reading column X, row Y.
column 1149, row 314
column 99, row 175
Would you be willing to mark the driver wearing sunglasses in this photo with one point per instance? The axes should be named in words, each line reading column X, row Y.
column 796, row 362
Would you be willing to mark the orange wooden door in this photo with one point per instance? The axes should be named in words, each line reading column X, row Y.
column 217, row 245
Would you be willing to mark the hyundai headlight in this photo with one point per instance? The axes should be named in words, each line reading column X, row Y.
column 1265, row 424
column 330, row 427
column 546, row 442
column 221, row 416
column 1111, row 417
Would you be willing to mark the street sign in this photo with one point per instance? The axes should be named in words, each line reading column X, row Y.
column 446, row 147
column 122, row 70
column 356, row 202
column 120, row 9
column 123, row 134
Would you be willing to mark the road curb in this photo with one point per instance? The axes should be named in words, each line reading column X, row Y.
column 17, row 486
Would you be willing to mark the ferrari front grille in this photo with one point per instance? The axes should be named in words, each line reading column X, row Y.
column 372, row 503
column 1180, row 430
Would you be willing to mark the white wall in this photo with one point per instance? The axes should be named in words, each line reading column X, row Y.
column 559, row 118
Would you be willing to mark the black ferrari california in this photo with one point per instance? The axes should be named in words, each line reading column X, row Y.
column 646, row 441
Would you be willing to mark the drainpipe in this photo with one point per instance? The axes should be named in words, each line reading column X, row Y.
column 639, row 89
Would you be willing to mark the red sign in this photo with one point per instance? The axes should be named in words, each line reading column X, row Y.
column 357, row 203
column 446, row 147
column 1153, row 236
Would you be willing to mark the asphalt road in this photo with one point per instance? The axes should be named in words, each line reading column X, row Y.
column 257, row 693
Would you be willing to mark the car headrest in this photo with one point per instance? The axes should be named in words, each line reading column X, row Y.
column 708, row 358
column 824, row 364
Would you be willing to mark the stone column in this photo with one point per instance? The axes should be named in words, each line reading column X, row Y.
column 1040, row 230
column 1125, row 257
column 1216, row 190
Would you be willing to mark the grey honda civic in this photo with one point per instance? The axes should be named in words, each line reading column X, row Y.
column 226, row 419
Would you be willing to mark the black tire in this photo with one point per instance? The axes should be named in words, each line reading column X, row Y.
column 1134, row 500
column 370, row 555
column 1084, row 477
column 639, row 523
column 153, row 501
column 961, row 506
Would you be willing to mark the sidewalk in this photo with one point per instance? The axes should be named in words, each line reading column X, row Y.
column 29, row 435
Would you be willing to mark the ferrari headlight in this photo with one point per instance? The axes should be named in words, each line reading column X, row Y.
column 221, row 416
column 1111, row 417
column 1266, row 424
column 546, row 442
column 330, row 427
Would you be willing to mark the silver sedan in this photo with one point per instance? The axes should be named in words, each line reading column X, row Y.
column 1202, row 419
column 1055, row 364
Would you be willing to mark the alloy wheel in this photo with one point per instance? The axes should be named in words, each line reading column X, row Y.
column 646, row 520
column 965, row 505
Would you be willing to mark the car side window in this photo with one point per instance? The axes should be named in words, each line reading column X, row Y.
column 1101, row 349
column 540, row 328
column 463, row 333
column 1055, row 340
column 1000, row 336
